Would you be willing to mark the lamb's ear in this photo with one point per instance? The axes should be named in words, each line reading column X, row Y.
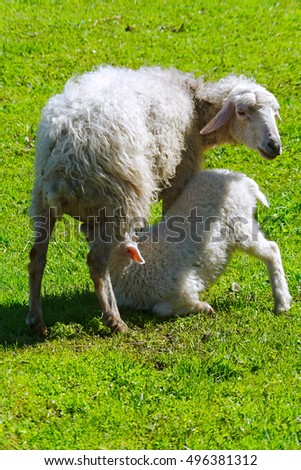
column 134, row 238
column 133, row 252
column 219, row 119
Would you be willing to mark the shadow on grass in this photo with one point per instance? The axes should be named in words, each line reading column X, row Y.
column 66, row 316
column 74, row 314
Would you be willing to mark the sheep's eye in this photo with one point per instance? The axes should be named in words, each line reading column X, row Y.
column 242, row 113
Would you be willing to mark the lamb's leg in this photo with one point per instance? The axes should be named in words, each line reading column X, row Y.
column 43, row 226
column 163, row 309
column 98, row 265
column 166, row 309
column 202, row 307
column 269, row 253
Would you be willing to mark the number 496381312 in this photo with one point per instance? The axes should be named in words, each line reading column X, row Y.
column 222, row 459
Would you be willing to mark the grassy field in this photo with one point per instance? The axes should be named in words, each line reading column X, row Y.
column 228, row 382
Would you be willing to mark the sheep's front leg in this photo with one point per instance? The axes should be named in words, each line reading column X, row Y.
column 269, row 253
column 98, row 264
column 43, row 227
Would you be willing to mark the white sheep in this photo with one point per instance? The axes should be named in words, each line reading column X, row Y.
column 192, row 246
column 115, row 139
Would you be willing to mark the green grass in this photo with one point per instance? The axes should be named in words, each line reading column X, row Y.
column 229, row 382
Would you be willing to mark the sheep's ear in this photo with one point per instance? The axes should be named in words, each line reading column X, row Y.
column 134, row 253
column 219, row 119
column 277, row 115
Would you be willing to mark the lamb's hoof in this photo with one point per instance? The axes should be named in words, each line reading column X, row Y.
column 281, row 309
column 204, row 307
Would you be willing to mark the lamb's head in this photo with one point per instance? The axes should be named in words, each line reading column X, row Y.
column 126, row 251
column 251, row 113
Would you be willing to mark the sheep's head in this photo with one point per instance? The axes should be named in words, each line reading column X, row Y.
column 251, row 117
column 128, row 250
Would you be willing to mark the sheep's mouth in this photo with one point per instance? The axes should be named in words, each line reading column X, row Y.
column 268, row 156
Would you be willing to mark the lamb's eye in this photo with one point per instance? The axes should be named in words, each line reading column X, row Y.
column 241, row 113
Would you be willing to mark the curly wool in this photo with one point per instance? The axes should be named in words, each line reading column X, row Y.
column 112, row 132
column 115, row 138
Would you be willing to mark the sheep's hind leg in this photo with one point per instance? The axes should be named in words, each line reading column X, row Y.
column 166, row 309
column 194, row 307
column 98, row 263
column 163, row 309
column 202, row 307
column 268, row 252
column 43, row 226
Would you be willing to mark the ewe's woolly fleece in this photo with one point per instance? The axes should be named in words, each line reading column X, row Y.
column 234, row 86
column 114, row 136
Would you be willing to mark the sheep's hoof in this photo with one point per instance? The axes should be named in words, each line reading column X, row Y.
column 121, row 327
column 38, row 328
column 204, row 307
column 116, row 325
column 281, row 309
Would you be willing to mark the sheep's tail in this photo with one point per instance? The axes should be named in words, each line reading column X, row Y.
column 262, row 198
column 257, row 193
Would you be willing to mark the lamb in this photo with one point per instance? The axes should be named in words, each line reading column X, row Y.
column 186, row 252
column 116, row 139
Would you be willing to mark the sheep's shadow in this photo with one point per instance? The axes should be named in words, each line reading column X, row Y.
column 65, row 315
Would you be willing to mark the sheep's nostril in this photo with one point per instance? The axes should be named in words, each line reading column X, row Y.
column 273, row 147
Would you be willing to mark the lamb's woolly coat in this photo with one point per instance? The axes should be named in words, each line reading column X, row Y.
column 191, row 248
